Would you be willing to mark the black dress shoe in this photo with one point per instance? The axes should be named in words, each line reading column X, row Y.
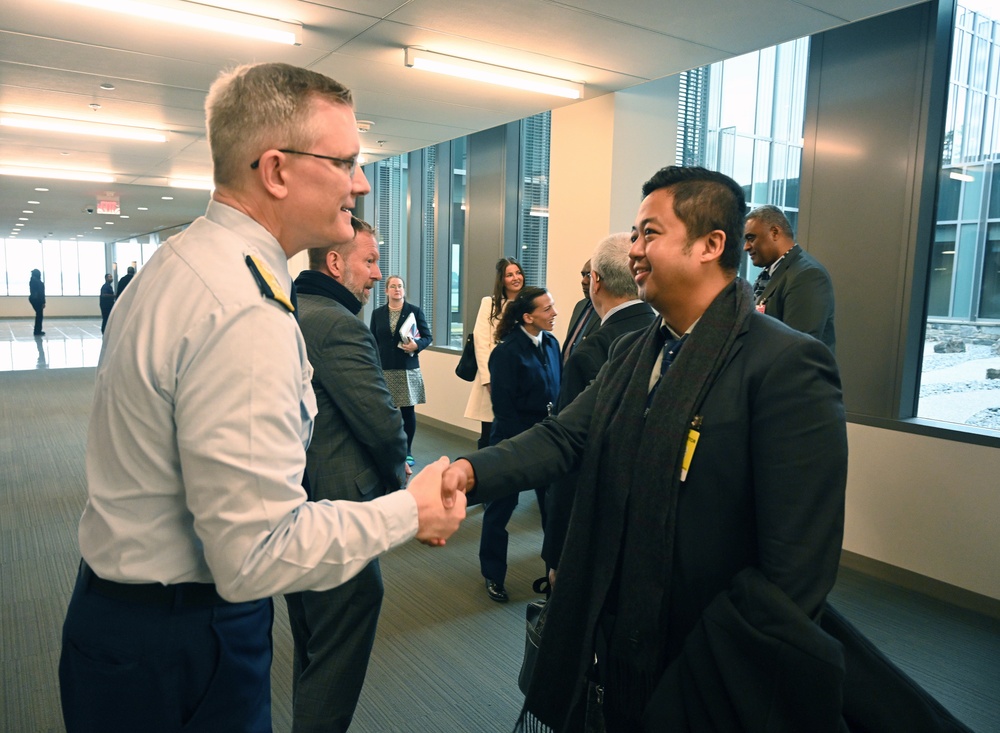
column 496, row 592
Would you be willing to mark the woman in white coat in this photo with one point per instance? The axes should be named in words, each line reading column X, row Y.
column 507, row 284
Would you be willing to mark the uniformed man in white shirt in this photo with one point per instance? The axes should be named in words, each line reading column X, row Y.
column 203, row 408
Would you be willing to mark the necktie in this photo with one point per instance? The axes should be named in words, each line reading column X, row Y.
column 761, row 283
column 574, row 338
column 671, row 348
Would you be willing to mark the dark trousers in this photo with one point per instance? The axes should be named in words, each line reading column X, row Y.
column 105, row 312
column 130, row 666
column 333, row 631
column 484, row 435
column 409, row 426
column 39, row 310
column 493, row 542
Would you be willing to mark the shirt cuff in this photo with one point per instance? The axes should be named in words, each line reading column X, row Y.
column 399, row 510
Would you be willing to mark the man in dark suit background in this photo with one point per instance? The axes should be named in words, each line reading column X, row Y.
column 619, row 310
column 358, row 452
column 124, row 281
column 793, row 287
column 712, row 445
column 584, row 320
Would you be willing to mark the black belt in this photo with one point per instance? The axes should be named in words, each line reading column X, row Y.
column 178, row 595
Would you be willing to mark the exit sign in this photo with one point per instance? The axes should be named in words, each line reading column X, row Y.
column 108, row 207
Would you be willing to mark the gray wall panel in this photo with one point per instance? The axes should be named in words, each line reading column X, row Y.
column 864, row 186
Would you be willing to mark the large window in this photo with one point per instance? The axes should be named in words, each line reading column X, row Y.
column 745, row 117
column 533, row 221
column 389, row 192
column 67, row 267
column 421, row 205
column 962, row 334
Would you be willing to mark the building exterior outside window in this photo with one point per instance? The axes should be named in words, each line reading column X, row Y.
column 745, row 117
column 533, row 219
column 962, row 336
column 420, row 202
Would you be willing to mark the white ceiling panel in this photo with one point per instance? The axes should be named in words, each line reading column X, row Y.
column 54, row 56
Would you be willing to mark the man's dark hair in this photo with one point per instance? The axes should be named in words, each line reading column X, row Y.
column 704, row 201
column 772, row 216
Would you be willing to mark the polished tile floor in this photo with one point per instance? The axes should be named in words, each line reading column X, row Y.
column 67, row 343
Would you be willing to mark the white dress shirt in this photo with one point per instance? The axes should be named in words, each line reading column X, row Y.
column 202, row 412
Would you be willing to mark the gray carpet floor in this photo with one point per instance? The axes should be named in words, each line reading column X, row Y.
column 446, row 657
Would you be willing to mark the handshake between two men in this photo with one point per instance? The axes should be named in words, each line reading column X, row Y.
column 439, row 490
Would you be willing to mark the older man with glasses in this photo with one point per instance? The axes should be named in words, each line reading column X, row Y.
column 203, row 408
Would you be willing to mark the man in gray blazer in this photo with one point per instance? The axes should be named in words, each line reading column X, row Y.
column 358, row 452
column 793, row 287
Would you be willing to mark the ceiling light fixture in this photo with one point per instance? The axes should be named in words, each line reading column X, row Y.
column 198, row 184
column 479, row 71
column 205, row 17
column 56, row 173
column 80, row 127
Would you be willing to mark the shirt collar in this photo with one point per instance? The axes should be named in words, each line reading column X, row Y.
column 258, row 240
column 536, row 340
column 774, row 265
column 621, row 306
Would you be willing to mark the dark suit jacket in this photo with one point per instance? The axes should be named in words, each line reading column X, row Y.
column 766, row 484
column 358, row 448
column 591, row 354
column 800, row 295
column 123, row 283
column 389, row 354
column 525, row 381
column 578, row 372
column 592, row 325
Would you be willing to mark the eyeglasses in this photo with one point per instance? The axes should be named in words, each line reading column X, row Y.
column 585, row 274
column 348, row 165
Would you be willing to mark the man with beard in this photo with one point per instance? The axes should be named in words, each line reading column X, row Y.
column 357, row 453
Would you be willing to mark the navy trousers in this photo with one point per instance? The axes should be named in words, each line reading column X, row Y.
column 493, row 542
column 130, row 666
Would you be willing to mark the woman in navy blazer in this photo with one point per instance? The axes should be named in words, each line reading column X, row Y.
column 524, row 372
column 398, row 354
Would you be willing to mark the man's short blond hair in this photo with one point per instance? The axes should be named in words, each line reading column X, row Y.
column 256, row 107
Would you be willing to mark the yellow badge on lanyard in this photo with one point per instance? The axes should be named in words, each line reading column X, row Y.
column 268, row 283
column 692, row 443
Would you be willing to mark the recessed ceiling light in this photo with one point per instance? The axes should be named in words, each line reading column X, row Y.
column 94, row 106
column 109, row 222
column 27, row 211
column 106, row 86
column 98, row 227
column 41, row 189
column 34, row 202
column 123, row 216
column 22, row 218
column 142, row 208
column 167, row 198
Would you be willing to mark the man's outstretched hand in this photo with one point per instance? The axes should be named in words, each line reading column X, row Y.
column 439, row 512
